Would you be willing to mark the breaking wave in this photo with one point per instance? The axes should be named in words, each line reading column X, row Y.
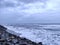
column 47, row 34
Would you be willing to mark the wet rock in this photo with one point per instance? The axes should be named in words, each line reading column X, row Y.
column 2, row 28
column 7, row 38
column 6, row 44
column 40, row 43
column 23, row 44
column 2, row 40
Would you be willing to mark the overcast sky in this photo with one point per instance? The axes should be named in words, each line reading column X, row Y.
column 29, row 11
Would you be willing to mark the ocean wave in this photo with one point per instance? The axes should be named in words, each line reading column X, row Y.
column 48, row 34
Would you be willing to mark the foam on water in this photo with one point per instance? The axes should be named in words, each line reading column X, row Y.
column 48, row 34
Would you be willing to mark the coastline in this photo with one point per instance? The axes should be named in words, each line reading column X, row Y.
column 7, row 38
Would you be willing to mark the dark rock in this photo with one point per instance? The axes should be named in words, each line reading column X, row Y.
column 10, row 39
column 2, row 40
column 23, row 44
column 2, row 28
column 40, row 43
column 6, row 44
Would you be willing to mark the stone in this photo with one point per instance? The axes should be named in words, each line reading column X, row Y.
column 23, row 44
column 10, row 39
column 6, row 44
column 2, row 28
column 40, row 43
column 2, row 40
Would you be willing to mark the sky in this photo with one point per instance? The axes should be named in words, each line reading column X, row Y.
column 29, row 11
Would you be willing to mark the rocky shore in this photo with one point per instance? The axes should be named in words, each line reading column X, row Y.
column 7, row 38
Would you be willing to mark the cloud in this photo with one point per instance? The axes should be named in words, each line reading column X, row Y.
column 41, row 7
column 14, row 11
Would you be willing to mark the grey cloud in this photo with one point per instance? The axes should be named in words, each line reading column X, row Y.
column 8, row 3
column 11, row 12
column 43, row 18
column 16, row 3
column 31, row 1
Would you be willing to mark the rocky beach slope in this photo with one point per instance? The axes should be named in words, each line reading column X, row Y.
column 7, row 38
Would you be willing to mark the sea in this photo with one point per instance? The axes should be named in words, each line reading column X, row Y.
column 47, row 33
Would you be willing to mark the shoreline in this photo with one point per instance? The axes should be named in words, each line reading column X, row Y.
column 7, row 38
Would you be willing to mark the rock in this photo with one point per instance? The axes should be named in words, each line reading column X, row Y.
column 2, row 40
column 2, row 28
column 6, row 44
column 40, row 43
column 23, row 44
column 10, row 39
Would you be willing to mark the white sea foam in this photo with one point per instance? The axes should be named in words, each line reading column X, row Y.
column 48, row 34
